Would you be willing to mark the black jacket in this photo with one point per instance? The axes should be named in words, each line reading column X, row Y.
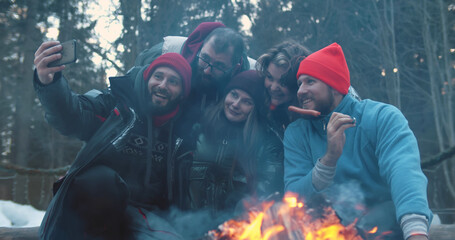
column 101, row 119
column 219, row 177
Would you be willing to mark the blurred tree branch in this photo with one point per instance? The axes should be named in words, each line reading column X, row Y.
column 439, row 158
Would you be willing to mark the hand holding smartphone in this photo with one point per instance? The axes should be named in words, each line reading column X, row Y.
column 68, row 54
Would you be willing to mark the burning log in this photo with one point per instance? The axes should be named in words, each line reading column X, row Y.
column 288, row 219
column 292, row 220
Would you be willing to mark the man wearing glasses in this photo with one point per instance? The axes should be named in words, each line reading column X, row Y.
column 217, row 60
column 215, row 53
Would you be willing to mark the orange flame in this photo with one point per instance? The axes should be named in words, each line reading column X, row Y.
column 288, row 219
column 373, row 231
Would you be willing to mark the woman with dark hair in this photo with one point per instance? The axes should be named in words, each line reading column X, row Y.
column 234, row 157
column 279, row 67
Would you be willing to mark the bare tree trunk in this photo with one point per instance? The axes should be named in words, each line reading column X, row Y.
column 430, row 52
column 441, row 98
column 449, row 167
column 24, row 99
column 131, row 11
column 396, row 76
column 448, row 84
column 25, row 94
column 387, row 47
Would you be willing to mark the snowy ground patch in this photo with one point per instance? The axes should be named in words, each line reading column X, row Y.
column 17, row 215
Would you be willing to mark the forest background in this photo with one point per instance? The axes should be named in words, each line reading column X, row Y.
column 399, row 52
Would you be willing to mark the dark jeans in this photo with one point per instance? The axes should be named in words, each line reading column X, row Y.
column 99, row 197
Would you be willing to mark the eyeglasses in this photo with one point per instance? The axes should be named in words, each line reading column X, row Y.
column 205, row 63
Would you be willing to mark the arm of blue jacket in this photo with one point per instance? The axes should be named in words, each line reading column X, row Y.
column 75, row 115
column 399, row 163
column 298, row 163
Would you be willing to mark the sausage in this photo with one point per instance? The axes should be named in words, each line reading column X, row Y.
column 304, row 111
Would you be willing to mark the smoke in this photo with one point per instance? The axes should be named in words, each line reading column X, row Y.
column 348, row 201
column 195, row 224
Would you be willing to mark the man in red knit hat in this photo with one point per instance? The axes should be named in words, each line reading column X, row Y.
column 124, row 171
column 215, row 53
column 355, row 152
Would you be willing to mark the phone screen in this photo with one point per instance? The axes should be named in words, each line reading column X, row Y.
column 68, row 54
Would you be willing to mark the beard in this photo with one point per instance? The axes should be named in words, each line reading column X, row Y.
column 208, row 83
column 324, row 106
column 156, row 108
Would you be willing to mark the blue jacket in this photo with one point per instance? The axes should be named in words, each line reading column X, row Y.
column 380, row 153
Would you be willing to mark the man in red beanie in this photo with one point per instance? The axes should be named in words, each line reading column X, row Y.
column 356, row 153
column 215, row 53
column 125, row 170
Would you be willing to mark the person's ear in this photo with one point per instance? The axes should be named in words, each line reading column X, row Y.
column 336, row 93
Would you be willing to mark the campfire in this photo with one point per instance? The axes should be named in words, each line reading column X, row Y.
column 289, row 219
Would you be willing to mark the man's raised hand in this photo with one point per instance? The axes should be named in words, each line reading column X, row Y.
column 47, row 53
column 336, row 137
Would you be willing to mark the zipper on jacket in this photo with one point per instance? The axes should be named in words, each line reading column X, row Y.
column 221, row 151
column 130, row 125
column 276, row 133
column 178, row 142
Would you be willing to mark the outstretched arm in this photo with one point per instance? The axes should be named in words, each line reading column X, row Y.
column 77, row 115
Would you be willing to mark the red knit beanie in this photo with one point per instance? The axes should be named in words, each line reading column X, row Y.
column 249, row 81
column 195, row 40
column 329, row 66
column 177, row 63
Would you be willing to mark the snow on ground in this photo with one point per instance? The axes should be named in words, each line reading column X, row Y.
column 17, row 215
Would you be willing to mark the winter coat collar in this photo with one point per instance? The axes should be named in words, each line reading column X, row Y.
column 345, row 107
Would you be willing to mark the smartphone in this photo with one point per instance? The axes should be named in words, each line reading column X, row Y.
column 68, row 54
